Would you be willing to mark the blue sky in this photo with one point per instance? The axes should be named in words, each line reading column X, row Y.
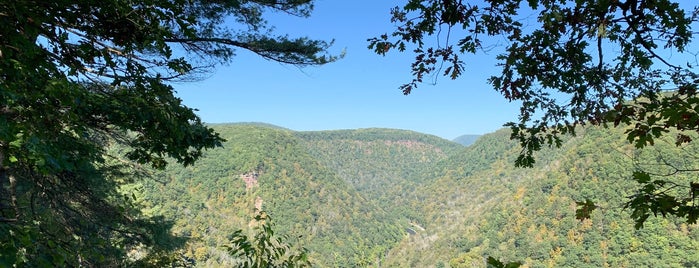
column 359, row 91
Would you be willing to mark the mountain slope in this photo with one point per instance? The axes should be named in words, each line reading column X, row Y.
column 384, row 165
column 529, row 214
column 262, row 167
column 467, row 139
column 394, row 198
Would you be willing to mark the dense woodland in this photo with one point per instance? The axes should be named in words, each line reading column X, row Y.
column 90, row 127
column 387, row 198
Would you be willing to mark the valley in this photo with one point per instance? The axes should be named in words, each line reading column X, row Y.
column 397, row 198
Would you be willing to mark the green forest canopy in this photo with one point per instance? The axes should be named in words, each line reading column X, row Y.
column 78, row 77
column 345, row 197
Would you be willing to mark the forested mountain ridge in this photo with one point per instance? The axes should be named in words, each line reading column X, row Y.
column 528, row 215
column 394, row 198
column 466, row 139
column 385, row 165
column 267, row 168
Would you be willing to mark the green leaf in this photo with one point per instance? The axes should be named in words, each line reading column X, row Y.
column 495, row 263
column 584, row 209
column 16, row 143
column 641, row 177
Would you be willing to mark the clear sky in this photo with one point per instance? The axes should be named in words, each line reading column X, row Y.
column 359, row 91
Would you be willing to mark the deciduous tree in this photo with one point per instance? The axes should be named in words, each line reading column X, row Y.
column 77, row 77
column 568, row 63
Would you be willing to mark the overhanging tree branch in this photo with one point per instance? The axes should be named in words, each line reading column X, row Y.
column 300, row 51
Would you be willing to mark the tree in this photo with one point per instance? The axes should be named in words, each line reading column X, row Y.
column 568, row 63
column 77, row 78
column 265, row 249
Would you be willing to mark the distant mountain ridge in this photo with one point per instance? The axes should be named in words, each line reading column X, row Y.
column 264, row 166
column 397, row 198
column 380, row 163
column 466, row 139
column 259, row 124
column 492, row 209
